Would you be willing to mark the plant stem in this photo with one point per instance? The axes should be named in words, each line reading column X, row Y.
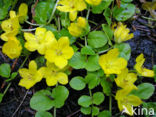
column 28, row 30
column 101, row 52
column 54, row 112
column 90, row 93
column 51, row 17
column 110, row 104
column 6, row 88
column 148, row 18
column 24, row 61
column 88, row 13
column 85, row 41
column 59, row 25
column 32, row 23
column 92, row 22
column 12, row 79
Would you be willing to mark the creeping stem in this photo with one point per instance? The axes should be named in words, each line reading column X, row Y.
column 51, row 17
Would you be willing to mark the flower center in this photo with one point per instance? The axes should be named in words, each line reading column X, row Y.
column 58, row 52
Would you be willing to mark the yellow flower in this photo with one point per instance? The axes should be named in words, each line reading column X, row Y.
column 94, row 2
column 40, row 41
column 22, row 12
column 121, row 33
column 140, row 69
column 12, row 48
column 10, row 26
column 71, row 6
column 53, row 75
column 30, row 76
column 59, row 52
column 111, row 63
column 126, row 79
column 127, row 101
column 76, row 29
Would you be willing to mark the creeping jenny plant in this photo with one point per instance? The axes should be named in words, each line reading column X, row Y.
column 64, row 35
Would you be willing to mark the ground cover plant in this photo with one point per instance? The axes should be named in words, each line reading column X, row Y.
column 77, row 58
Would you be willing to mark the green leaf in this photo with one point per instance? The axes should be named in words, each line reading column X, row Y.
column 86, row 110
column 60, row 94
column 108, row 32
column 25, row 52
column 125, row 11
column 107, row 13
column 5, row 70
column 43, row 11
column 106, row 85
column 65, row 21
column 4, row 7
column 151, row 107
column 144, row 91
column 42, row 100
column 99, row 8
column 87, row 50
column 93, row 63
column 77, row 83
column 1, row 97
column 40, row 61
column 92, row 80
column 95, row 110
column 13, row 75
column 124, row 49
column 98, row 98
column 78, row 61
column 97, row 39
column 104, row 113
column 43, row 114
column 85, row 101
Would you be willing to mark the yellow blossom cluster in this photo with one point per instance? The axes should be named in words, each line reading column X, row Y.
column 79, row 25
column 77, row 29
column 121, row 33
column 73, row 6
column 111, row 63
column 12, row 47
column 57, row 53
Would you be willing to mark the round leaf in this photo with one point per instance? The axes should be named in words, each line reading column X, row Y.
column 104, row 114
column 92, row 80
column 86, row 110
column 93, row 63
column 78, row 61
column 97, row 39
column 99, row 8
column 5, row 70
column 87, row 50
column 43, row 114
column 60, row 94
column 125, row 50
column 77, row 83
column 95, row 111
column 43, row 11
column 85, row 101
column 144, row 91
column 41, row 101
column 125, row 11
column 98, row 98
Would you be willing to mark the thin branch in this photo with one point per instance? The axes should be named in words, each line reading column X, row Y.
column 20, row 104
